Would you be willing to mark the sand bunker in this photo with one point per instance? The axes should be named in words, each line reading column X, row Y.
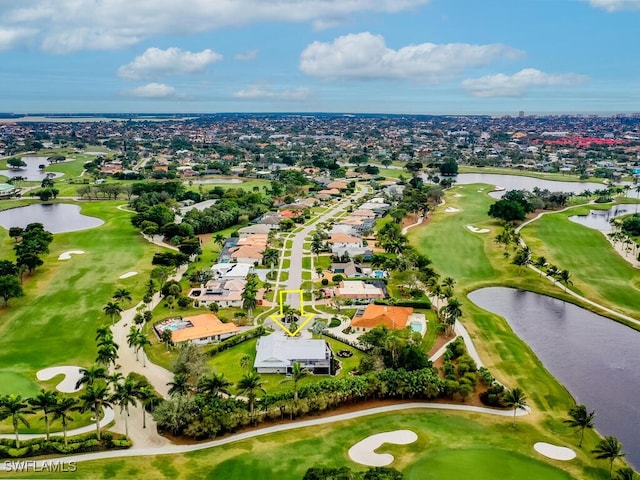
column 128, row 274
column 554, row 451
column 364, row 453
column 67, row 255
column 451, row 210
column 473, row 229
column 457, row 195
column 68, row 383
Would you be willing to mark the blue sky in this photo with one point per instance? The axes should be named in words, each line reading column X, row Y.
column 386, row 56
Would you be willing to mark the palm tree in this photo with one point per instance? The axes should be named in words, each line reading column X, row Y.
column 448, row 282
column 45, row 400
column 61, row 410
column 149, row 398
column 113, row 310
column 249, row 384
column 626, row 473
column 126, row 394
column 16, row 407
column 90, row 375
column 515, row 398
column 143, row 341
column 103, row 333
column 580, row 419
column 122, row 295
column 245, row 362
column 453, row 311
column 214, row 385
column 95, row 397
column 249, row 301
column 610, row 449
column 298, row 372
column 166, row 337
column 107, row 353
column 180, row 385
column 219, row 239
column 271, row 257
column 132, row 339
column 564, row 277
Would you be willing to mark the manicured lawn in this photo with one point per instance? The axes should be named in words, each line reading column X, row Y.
column 306, row 263
column 447, row 443
column 55, row 322
column 588, row 255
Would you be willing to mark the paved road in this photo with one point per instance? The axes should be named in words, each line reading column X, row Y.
column 178, row 449
column 294, row 280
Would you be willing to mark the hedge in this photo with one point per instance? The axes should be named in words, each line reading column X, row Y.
column 236, row 340
column 55, row 446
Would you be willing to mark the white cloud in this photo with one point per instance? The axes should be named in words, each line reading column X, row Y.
column 262, row 92
column 71, row 25
column 516, row 85
column 152, row 90
column 366, row 56
column 11, row 37
column 616, row 5
column 246, row 56
column 155, row 63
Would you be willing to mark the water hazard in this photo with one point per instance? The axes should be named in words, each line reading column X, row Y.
column 56, row 217
column 595, row 358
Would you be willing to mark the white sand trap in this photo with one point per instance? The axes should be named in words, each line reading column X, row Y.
column 67, row 255
column 68, row 383
column 457, row 195
column 451, row 210
column 554, row 451
column 128, row 274
column 473, row 229
column 364, row 453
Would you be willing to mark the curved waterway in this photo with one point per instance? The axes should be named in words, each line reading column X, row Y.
column 595, row 358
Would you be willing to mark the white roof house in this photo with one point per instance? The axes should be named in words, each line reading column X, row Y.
column 231, row 271
column 276, row 354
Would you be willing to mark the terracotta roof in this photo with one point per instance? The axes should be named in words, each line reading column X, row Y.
column 204, row 325
column 390, row 316
column 248, row 251
column 344, row 238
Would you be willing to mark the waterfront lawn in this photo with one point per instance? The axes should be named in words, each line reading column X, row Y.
column 588, row 255
column 447, row 443
column 55, row 322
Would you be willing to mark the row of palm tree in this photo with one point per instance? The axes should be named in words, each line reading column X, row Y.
column 138, row 340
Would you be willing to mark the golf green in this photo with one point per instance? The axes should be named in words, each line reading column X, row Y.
column 481, row 464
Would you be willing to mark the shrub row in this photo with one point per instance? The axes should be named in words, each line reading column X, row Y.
column 236, row 340
column 356, row 345
column 55, row 445
column 426, row 304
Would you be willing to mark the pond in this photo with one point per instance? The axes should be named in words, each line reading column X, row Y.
column 600, row 219
column 56, row 217
column 594, row 357
column 32, row 171
column 516, row 182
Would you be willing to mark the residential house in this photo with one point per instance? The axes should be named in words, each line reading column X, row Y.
column 390, row 316
column 341, row 240
column 262, row 229
column 359, row 290
column 231, row 271
column 350, row 270
column 365, row 252
column 226, row 293
column 198, row 329
column 277, row 353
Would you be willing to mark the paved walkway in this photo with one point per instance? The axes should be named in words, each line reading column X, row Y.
column 178, row 449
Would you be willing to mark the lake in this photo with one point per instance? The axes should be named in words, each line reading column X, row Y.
column 56, row 217
column 516, row 182
column 32, row 171
column 599, row 219
column 594, row 357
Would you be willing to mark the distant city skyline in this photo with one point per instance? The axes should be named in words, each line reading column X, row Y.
column 368, row 56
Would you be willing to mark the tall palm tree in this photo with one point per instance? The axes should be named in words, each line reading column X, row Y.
column 16, row 407
column 453, row 311
column 449, row 282
column 249, row 384
column 298, row 372
column 45, row 400
column 94, row 398
column 214, row 385
column 515, row 398
column 219, row 239
column 103, row 333
column 626, row 473
column 564, row 277
column 143, row 342
column 122, row 295
column 149, row 398
column 245, row 362
column 126, row 393
column 166, row 337
column 113, row 310
column 610, row 449
column 180, row 385
column 580, row 419
column 90, row 375
column 132, row 339
column 107, row 354
column 61, row 410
